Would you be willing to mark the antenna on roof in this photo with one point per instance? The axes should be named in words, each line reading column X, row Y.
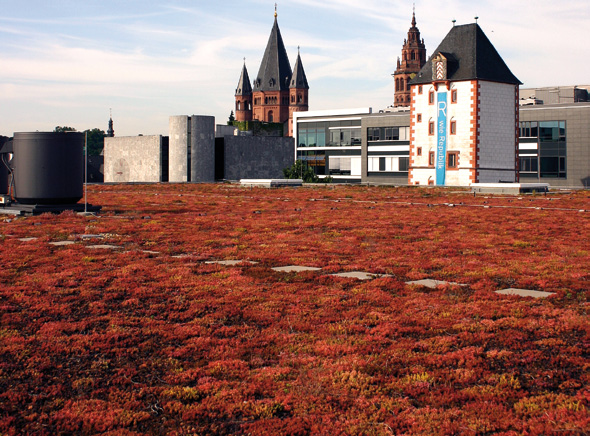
column 454, row 21
column 476, row 18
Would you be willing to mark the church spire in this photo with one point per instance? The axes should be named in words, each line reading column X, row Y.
column 275, row 70
column 110, row 131
column 299, row 80
column 412, row 60
column 244, row 87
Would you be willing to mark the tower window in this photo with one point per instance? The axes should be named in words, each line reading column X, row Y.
column 453, row 127
column 431, row 158
column 431, row 97
column 419, row 151
column 419, row 118
column 431, row 128
column 452, row 160
column 419, row 89
column 454, row 96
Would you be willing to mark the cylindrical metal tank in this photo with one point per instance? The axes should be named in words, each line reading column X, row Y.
column 3, row 169
column 3, row 178
column 48, row 167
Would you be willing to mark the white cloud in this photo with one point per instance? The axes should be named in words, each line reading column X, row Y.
column 161, row 59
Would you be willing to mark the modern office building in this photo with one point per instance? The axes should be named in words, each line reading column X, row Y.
column 554, row 144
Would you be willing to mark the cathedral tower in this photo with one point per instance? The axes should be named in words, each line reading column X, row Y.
column 244, row 97
column 413, row 59
column 298, row 92
column 277, row 91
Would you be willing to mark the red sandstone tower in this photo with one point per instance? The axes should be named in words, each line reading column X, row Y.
column 413, row 59
column 244, row 97
column 277, row 91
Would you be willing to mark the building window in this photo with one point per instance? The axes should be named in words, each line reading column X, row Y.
column 419, row 151
column 452, row 160
column 431, row 97
column 431, row 158
column 453, row 127
column 454, row 96
column 529, row 164
column 270, row 117
column 431, row 128
column 419, row 89
column 419, row 118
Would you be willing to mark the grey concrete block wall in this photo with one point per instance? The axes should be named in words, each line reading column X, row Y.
column 179, row 131
column 132, row 159
column 256, row 157
column 202, row 149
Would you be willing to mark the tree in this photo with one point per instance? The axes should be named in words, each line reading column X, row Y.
column 95, row 141
column 231, row 119
column 297, row 171
column 95, row 138
column 61, row 129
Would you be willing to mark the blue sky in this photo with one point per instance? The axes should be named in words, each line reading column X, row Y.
column 67, row 62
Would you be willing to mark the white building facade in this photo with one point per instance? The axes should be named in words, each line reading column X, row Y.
column 464, row 114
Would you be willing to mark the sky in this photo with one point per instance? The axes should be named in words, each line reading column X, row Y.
column 70, row 62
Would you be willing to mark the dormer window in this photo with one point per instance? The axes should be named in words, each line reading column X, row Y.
column 439, row 67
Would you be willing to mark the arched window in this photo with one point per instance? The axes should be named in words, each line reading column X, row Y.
column 413, row 56
column 237, row 105
column 270, row 117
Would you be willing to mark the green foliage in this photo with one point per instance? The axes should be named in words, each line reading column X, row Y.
column 95, row 141
column 297, row 171
column 231, row 120
column 61, row 129
column 95, row 138
column 256, row 127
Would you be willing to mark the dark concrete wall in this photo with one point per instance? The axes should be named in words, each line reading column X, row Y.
column 257, row 157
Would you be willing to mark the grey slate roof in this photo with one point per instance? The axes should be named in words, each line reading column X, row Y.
column 244, row 87
column 470, row 56
column 299, row 80
column 275, row 69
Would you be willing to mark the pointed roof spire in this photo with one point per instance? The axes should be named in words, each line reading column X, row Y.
column 110, row 131
column 414, row 16
column 244, row 87
column 275, row 10
column 470, row 56
column 299, row 80
column 275, row 70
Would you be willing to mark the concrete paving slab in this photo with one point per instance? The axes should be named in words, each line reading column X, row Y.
column 431, row 283
column 27, row 239
column 230, row 262
column 360, row 275
column 295, row 268
column 525, row 293
column 92, row 236
column 61, row 243
column 103, row 247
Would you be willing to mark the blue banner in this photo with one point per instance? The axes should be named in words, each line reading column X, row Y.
column 441, row 144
